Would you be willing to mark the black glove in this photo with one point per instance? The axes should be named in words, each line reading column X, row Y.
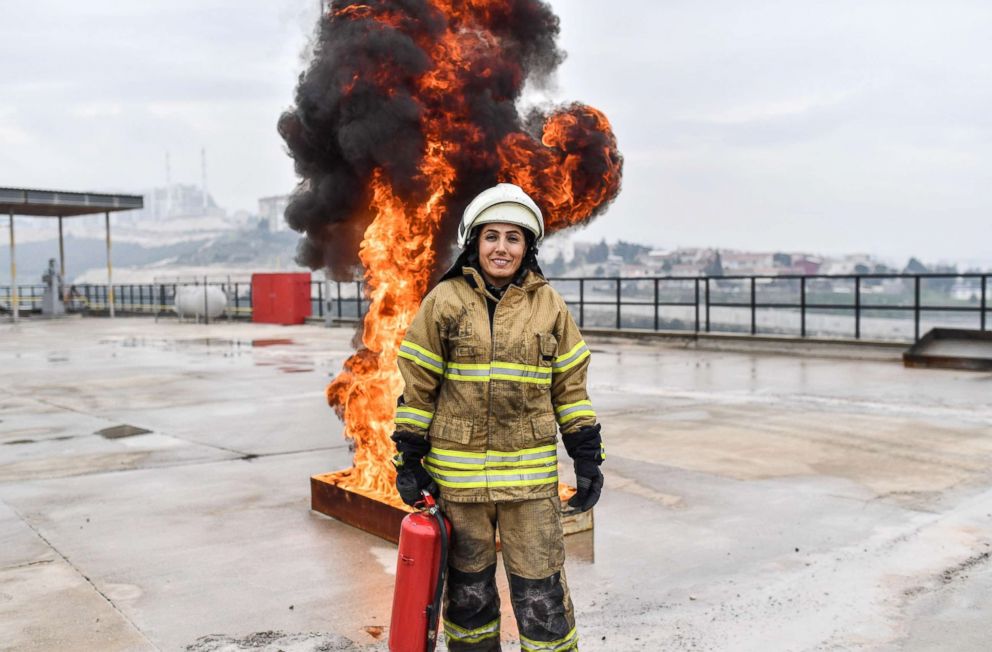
column 411, row 478
column 585, row 447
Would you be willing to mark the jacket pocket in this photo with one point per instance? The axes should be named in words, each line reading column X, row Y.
column 544, row 427
column 453, row 429
column 547, row 349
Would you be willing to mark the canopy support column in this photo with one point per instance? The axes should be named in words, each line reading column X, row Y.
column 62, row 259
column 110, row 267
column 14, row 299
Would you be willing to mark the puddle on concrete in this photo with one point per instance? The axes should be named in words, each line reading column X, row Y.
column 121, row 431
column 295, row 370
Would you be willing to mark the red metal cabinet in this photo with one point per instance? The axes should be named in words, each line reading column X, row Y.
column 280, row 298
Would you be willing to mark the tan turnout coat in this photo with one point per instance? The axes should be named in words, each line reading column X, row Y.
column 491, row 403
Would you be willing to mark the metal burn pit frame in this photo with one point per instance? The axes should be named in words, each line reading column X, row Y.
column 383, row 520
column 973, row 350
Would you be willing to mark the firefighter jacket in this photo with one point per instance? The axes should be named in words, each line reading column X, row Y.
column 491, row 400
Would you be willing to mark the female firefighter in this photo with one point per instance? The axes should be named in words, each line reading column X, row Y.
column 494, row 365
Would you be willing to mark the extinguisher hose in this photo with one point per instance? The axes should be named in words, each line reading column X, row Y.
column 435, row 612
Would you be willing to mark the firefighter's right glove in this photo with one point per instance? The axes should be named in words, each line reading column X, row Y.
column 411, row 478
column 585, row 447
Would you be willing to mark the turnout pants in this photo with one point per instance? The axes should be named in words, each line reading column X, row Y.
column 534, row 555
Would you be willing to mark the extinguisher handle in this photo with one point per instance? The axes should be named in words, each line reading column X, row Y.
column 428, row 503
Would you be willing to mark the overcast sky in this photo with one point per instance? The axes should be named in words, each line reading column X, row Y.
column 828, row 126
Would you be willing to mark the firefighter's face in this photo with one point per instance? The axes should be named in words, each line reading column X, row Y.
column 501, row 252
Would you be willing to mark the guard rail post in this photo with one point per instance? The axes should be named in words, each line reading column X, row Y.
column 754, row 309
column 707, row 281
column 857, row 307
column 984, row 300
column 582, row 303
column 802, row 306
column 656, row 304
column 916, row 308
column 695, row 302
column 618, row 303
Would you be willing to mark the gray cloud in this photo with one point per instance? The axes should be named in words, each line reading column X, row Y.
column 821, row 126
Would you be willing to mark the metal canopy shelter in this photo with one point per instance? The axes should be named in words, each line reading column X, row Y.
column 60, row 204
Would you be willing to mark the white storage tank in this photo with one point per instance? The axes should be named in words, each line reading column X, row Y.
column 197, row 300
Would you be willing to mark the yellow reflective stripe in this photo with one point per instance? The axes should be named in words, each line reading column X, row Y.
column 525, row 457
column 414, row 417
column 420, row 349
column 565, row 362
column 567, row 642
column 570, row 411
column 576, row 415
column 455, row 473
column 481, row 484
column 523, row 379
column 569, row 406
column 484, row 372
column 492, row 477
column 453, row 632
column 575, row 349
column 522, row 373
column 421, row 356
column 523, row 367
column 423, row 413
column 456, row 459
column 470, row 372
column 540, row 456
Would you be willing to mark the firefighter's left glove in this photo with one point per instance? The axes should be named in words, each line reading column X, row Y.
column 585, row 447
column 411, row 478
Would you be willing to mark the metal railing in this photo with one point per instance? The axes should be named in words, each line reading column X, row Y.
column 860, row 306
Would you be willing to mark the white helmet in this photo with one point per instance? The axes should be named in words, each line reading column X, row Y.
column 503, row 202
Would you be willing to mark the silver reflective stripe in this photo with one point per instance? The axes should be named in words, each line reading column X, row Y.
column 455, row 633
column 428, row 361
column 582, row 350
column 406, row 414
column 492, row 478
column 455, row 371
column 447, row 458
column 582, row 407
column 568, row 642
column 509, row 458
column 521, row 373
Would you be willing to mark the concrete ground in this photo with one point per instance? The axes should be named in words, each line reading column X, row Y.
column 753, row 501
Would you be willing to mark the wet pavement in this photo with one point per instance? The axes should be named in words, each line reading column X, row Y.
column 154, row 494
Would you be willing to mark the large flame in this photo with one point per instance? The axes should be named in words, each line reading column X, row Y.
column 409, row 110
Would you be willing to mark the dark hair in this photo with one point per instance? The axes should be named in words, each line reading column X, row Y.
column 469, row 257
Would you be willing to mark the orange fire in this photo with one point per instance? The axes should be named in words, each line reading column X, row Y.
column 572, row 169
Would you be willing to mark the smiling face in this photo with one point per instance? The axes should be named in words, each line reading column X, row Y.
column 501, row 252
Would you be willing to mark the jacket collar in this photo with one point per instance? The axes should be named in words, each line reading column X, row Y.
column 531, row 282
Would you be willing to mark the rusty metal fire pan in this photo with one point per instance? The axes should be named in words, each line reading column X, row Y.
column 384, row 520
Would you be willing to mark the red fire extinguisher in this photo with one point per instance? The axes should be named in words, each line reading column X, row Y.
column 420, row 571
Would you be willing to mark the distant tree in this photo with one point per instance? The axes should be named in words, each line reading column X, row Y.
column 556, row 267
column 629, row 251
column 915, row 267
column 599, row 253
column 714, row 267
column 782, row 260
column 599, row 271
column 944, row 283
column 861, row 268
